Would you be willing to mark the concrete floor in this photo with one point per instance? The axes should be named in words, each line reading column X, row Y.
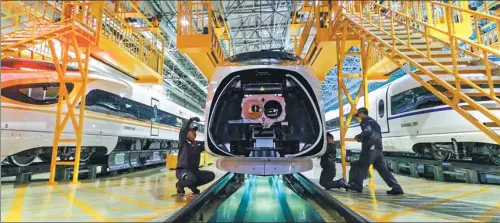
column 136, row 197
column 424, row 200
column 146, row 196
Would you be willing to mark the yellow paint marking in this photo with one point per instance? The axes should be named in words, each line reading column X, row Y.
column 16, row 208
column 148, row 218
column 389, row 198
column 88, row 209
column 40, row 217
column 389, row 217
column 69, row 214
column 58, row 205
column 489, row 214
column 162, row 212
column 455, row 219
column 121, row 197
column 373, row 217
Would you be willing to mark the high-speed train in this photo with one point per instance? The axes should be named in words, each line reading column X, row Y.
column 119, row 116
column 264, row 114
column 415, row 122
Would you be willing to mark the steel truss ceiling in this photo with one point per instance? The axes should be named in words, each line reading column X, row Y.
column 257, row 25
column 183, row 83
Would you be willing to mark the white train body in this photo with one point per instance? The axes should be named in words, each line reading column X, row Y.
column 111, row 115
column 266, row 105
column 413, row 120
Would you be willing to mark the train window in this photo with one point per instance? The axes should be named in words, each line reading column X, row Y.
column 413, row 99
column 179, row 122
column 381, row 108
column 402, row 102
column 38, row 94
column 129, row 109
column 103, row 102
column 144, row 111
column 201, row 128
column 167, row 118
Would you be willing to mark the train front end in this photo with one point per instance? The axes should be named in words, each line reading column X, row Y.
column 264, row 115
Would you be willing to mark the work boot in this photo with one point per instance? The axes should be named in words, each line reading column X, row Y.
column 180, row 190
column 344, row 184
column 195, row 190
column 354, row 187
column 395, row 191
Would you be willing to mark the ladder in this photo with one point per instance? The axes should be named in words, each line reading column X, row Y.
column 455, row 75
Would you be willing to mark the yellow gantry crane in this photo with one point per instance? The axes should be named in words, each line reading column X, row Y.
column 71, row 32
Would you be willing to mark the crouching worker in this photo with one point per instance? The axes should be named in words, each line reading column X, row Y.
column 328, row 165
column 188, row 160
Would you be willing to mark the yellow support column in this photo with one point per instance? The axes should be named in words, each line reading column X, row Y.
column 70, row 40
column 340, row 46
column 365, row 53
column 343, row 90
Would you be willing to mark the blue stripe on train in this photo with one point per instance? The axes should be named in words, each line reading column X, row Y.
column 405, row 115
column 420, row 112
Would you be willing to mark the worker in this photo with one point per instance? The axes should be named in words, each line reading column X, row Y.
column 371, row 153
column 188, row 160
column 328, row 165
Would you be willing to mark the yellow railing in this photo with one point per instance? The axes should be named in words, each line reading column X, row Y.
column 193, row 19
column 376, row 55
column 424, row 24
column 117, row 29
column 28, row 15
column 35, row 20
column 197, row 36
column 112, row 26
column 490, row 39
column 305, row 32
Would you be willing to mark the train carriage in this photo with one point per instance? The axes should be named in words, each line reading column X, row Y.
column 119, row 115
column 414, row 121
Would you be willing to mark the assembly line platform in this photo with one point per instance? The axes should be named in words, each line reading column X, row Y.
column 147, row 196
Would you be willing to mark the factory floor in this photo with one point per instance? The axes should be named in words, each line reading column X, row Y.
column 423, row 201
column 132, row 197
column 147, row 196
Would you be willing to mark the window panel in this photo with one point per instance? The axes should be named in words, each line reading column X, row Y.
column 38, row 94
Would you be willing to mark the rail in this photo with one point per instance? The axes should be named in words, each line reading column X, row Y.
column 321, row 195
column 187, row 212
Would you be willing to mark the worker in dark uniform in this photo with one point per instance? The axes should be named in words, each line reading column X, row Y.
column 371, row 153
column 328, row 165
column 188, row 160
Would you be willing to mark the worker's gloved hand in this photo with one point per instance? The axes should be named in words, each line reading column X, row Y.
column 195, row 119
column 358, row 138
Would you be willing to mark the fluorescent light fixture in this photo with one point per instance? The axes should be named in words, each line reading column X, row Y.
column 184, row 22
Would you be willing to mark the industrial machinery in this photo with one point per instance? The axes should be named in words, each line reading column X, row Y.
column 264, row 114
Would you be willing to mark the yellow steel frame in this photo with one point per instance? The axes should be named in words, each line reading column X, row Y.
column 64, row 99
column 78, row 33
column 421, row 26
column 203, row 48
column 75, row 30
column 343, row 90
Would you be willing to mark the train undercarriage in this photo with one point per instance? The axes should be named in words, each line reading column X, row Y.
column 476, row 152
column 96, row 155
